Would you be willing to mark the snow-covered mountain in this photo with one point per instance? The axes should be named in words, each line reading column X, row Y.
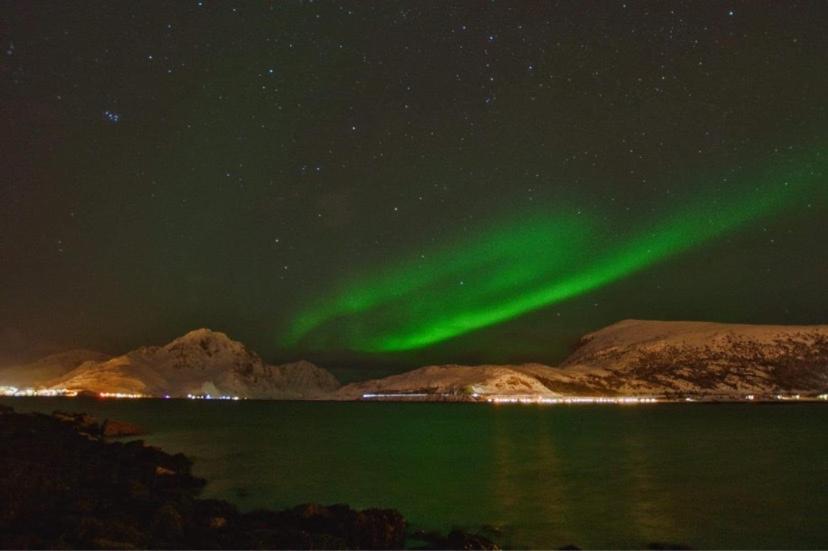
column 663, row 356
column 642, row 358
column 462, row 382
column 200, row 362
column 631, row 357
column 41, row 373
column 454, row 380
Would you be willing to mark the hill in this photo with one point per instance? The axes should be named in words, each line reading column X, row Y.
column 42, row 372
column 645, row 356
column 200, row 362
column 642, row 358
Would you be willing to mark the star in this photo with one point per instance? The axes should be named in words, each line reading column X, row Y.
column 112, row 117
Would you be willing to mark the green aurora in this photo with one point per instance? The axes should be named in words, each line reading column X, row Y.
column 531, row 262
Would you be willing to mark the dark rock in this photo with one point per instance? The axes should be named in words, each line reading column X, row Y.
column 368, row 529
column 114, row 429
column 63, row 486
column 378, row 529
column 83, row 423
column 214, row 513
column 88, row 425
column 167, row 524
column 456, row 539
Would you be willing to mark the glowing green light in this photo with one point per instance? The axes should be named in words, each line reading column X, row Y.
column 517, row 254
column 525, row 265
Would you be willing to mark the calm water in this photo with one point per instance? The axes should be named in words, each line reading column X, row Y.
column 704, row 475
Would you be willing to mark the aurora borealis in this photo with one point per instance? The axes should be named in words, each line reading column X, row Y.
column 384, row 184
column 533, row 264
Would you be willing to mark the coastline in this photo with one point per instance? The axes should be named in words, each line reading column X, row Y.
column 492, row 399
column 476, row 468
column 64, row 485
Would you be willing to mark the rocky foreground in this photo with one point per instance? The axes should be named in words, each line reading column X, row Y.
column 63, row 485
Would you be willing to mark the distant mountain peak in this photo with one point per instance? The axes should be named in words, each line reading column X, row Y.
column 203, row 333
column 199, row 344
column 204, row 337
column 201, row 361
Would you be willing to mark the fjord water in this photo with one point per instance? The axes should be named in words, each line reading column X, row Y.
column 720, row 475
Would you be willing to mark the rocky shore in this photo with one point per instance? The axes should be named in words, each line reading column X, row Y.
column 64, row 485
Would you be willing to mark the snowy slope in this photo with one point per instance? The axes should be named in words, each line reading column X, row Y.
column 641, row 358
column 42, row 372
column 459, row 380
column 658, row 356
column 201, row 362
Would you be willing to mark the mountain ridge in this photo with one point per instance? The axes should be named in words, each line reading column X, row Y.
column 201, row 362
column 643, row 358
column 42, row 371
column 681, row 356
column 628, row 358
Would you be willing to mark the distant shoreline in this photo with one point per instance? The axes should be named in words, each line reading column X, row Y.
column 489, row 400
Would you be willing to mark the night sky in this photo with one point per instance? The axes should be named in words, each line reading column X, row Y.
column 377, row 185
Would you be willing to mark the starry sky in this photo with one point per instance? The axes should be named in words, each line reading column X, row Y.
column 379, row 185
